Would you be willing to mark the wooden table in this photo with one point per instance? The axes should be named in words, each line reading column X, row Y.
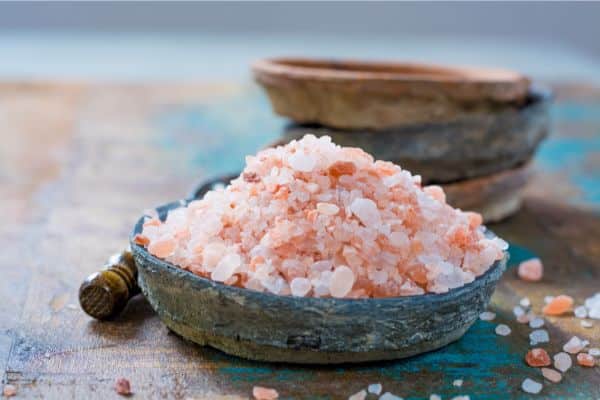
column 78, row 164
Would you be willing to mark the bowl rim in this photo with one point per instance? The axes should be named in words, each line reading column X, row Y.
column 344, row 70
column 332, row 301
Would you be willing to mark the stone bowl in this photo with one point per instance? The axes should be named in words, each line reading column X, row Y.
column 471, row 145
column 268, row 327
column 378, row 95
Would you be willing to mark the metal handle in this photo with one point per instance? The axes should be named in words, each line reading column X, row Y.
column 104, row 294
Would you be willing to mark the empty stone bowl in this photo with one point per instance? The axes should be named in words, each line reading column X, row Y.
column 471, row 145
column 268, row 327
column 378, row 95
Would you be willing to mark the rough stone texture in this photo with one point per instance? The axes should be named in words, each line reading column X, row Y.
column 268, row 327
column 465, row 147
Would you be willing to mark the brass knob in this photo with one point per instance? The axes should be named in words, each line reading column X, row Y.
column 104, row 294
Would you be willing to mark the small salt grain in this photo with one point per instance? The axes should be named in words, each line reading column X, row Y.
column 300, row 287
column 389, row 396
column 525, row 318
column 123, row 387
column 531, row 386
column 536, row 323
column 264, row 393
column 585, row 360
column 462, row 397
column 362, row 395
column 518, row 311
column 503, row 330
column 435, row 397
column 552, row 375
column 9, row 390
column 487, row 316
column 594, row 352
column 562, row 362
column 548, row 299
column 374, row 388
column 574, row 345
column 586, row 324
column 539, row 336
column 457, row 382
column 327, row 208
column 525, row 302
column 580, row 312
column 531, row 270
column 341, row 281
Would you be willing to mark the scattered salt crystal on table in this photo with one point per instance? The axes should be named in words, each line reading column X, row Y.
column 525, row 302
column 594, row 351
column 435, row 397
column 9, row 390
column 531, row 386
column 503, row 330
column 585, row 360
column 537, row 358
column 264, row 393
column 487, row 316
column 525, row 318
column 562, row 362
column 531, row 270
column 536, row 322
column 552, row 375
column 389, row 396
column 362, row 395
column 548, row 299
column 461, row 397
column 367, row 224
column 457, row 382
column 374, row 388
column 539, row 336
column 574, row 345
column 580, row 312
column 586, row 324
column 518, row 311
column 559, row 305
column 123, row 387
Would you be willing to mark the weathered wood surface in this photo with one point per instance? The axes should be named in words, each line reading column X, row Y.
column 79, row 163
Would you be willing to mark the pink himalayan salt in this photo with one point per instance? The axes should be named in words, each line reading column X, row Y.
column 552, row 375
column 585, row 360
column 559, row 305
column 531, row 270
column 315, row 219
column 263, row 393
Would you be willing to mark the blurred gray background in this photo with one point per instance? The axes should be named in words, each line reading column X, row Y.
column 172, row 40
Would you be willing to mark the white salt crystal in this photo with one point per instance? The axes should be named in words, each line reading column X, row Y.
column 327, row 208
column 548, row 299
column 226, row 267
column 302, row 162
column 518, row 311
column 525, row 302
column 580, row 312
column 574, row 345
column 487, row 316
column 462, row 397
column 362, row 395
column 212, row 254
column 562, row 362
column 531, row 386
column 594, row 352
column 503, row 330
column 594, row 313
column 552, row 375
column 536, row 322
column 586, row 324
column 435, row 397
column 457, row 382
column 342, row 281
column 300, row 287
column 366, row 211
column 539, row 336
column 389, row 396
column 374, row 388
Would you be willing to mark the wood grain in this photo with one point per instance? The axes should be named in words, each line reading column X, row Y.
column 80, row 162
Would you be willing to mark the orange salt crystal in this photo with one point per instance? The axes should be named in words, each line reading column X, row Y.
column 141, row 240
column 340, row 168
column 531, row 270
column 585, row 360
column 162, row 248
column 263, row 393
column 537, row 358
column 559, row 305
column 475, row 219
column 152, row 222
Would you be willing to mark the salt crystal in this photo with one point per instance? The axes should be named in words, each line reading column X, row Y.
column 487, row 316
column 342, row 281
column 366, row 211
column 374, row 388
column 548, row 299
column 302, row 162
column 327, row 208
column 586, row 324
column 539, row 336
column 389, row 396
column 461, row 397
column 559, row 305
column 503, row 330
column 525, row 302
column 457, row 382
column 525, row 318
column 552, row 375
column 9, row 390
column 518, row 311
column 574, row 345
column 594, row 351
column 562, row 362
column 594, row 313
column 435, row 397
column 226, row 267
column 537, row 358
column 362, row 395
column 300, row 287
column 580, row 312
column 536, row 322
column 531, row 270
column 531, row 386
column 264, row 393
column 585, row 360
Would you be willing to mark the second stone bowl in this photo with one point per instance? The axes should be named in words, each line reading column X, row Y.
column 268, row 327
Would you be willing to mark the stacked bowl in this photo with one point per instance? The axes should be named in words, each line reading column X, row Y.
column 472, row 131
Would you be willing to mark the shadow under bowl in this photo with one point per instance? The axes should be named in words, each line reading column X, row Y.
column 268, row 327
